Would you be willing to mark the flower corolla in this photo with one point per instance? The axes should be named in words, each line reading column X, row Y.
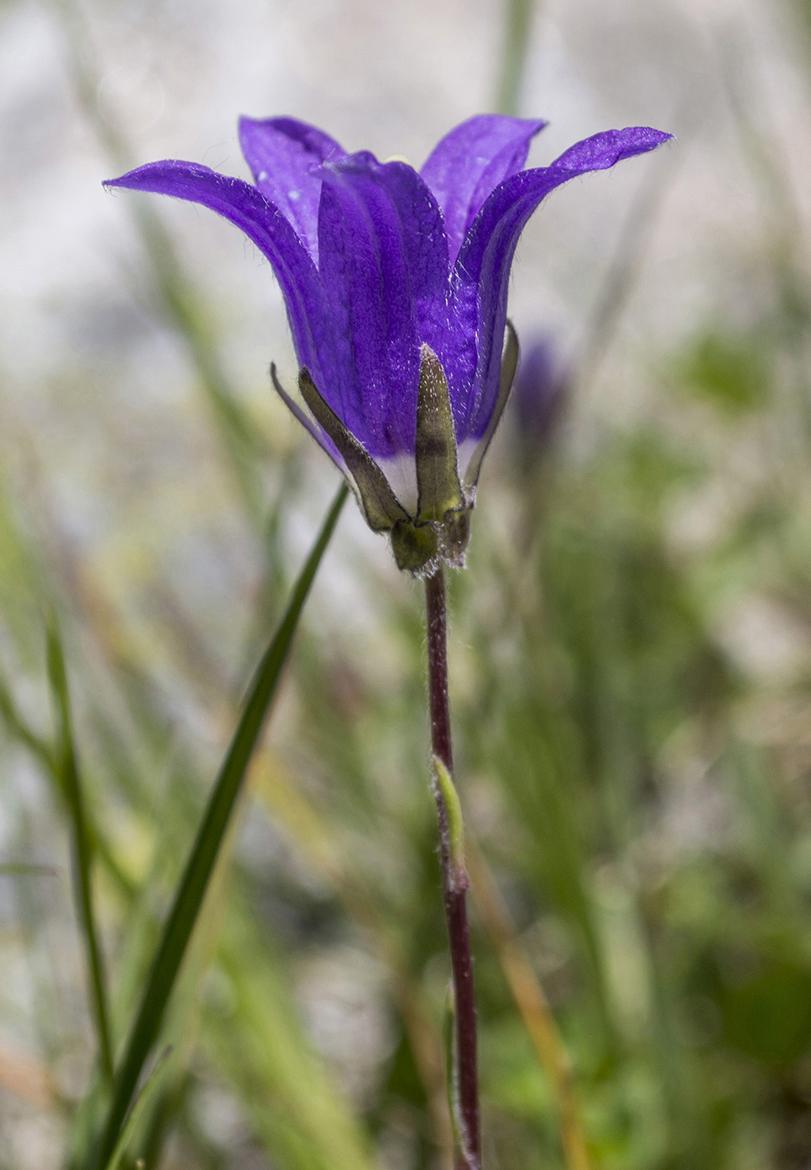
column 395, row 282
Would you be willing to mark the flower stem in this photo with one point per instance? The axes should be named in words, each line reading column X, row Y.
column 454, row 880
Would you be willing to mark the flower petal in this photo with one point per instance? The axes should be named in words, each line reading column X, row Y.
column 265, row 225
column 482, row 269
column 470, row 161
column 380, row 505
column 285, row 157
column 384, row 267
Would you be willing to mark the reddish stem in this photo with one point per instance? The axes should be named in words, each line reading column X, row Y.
column 454, row 885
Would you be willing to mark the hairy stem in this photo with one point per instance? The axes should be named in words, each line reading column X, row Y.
column 454, row 881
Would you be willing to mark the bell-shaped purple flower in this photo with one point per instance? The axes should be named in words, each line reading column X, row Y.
column 395, row 283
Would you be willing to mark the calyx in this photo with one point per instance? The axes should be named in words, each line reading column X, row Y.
column 439, row 530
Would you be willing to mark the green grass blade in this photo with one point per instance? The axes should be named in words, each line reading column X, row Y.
column 192, row 888
column 517, row 29
column 81, row 845
column 19, row 729
column 141, row 1101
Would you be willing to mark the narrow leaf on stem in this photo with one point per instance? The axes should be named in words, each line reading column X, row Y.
column 193, row 885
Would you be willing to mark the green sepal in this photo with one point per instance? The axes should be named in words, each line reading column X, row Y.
column 380, row 506
column 415, row 546
column 509, row 364
column 438, row 487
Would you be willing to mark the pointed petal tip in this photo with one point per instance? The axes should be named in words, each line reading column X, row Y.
column 536, row 125
column 148, row 176
column 245, row 124
column 136, row 178
column 121, row 181
column 641, row 138
column 648, row 135
column 635, row 140
column 602, row 151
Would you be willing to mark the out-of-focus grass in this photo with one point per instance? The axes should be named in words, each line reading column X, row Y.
column 69, row 776
column 631, row 658
column 192, row 888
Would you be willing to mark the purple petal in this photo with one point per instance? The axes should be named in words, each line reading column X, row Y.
column 384, row 266
column 470, row 161
column 482, row 269
column 265, row 225
column 285, row 157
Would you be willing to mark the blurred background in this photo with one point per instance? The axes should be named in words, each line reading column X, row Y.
column 630, row 645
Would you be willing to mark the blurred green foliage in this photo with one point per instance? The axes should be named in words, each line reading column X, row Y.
column 641, row 796
column 730, row 372
column 631, row 673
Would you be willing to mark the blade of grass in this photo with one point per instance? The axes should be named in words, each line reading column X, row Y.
column 81, row 845
column 531, row 1002
column 517, row 28
column 181, row 1025
column 194, row 883
column 21, row 581
column 17, row 727
column 141, row 1101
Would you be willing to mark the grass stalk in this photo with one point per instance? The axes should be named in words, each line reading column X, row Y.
column 193, row 885
column 517, row 28
column 81, row 847
column 531, row 1002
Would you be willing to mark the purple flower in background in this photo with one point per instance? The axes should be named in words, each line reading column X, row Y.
column 395, row 283
column 539, row 394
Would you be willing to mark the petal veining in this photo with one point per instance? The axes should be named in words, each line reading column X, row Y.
column 384, row 266
column 264, row 224
column 285, row 158
column 470, row 161
column 482, row 269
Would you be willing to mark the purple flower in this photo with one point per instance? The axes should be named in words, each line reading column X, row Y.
column 395, row 283
column 541, row 387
